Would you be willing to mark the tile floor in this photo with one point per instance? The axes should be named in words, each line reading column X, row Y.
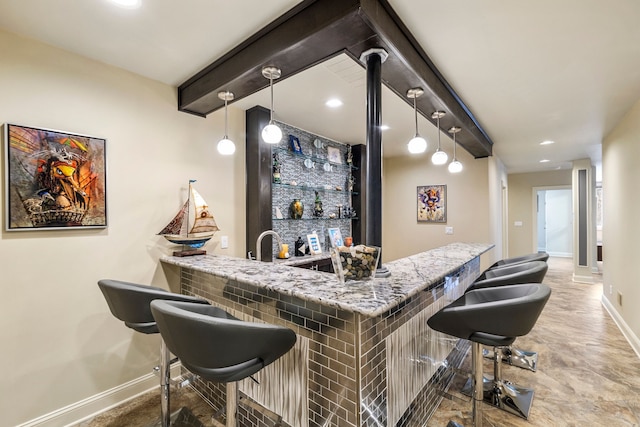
column 588, row 374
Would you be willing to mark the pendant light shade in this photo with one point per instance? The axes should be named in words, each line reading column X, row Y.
column 417, row 144
column 455, row 166
column 226, row 147
column 439, row 157
column 271, row 134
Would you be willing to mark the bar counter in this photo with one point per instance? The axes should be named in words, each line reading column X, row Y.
column 364, row 356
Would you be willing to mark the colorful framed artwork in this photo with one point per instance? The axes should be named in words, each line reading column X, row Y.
column 294, row 144
column 53, row 180
column 335, row 237
column 432, row 203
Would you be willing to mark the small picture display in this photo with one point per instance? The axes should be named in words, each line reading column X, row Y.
column 294, row 144
column 314, row 244
column 335, row 237
column 333, row 155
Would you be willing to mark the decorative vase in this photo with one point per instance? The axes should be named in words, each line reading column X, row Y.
column 296, row 209
column 317, row 208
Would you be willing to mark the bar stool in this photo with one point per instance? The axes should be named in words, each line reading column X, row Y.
column 513, row 274
column 478, row 316
column 130, row 302
column 218, row 347
column 537, row 256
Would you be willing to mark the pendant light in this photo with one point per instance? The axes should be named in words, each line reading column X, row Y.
column 417, row 144
column 226, row 147
column 455, row 166
column 439, row 157
column 271, row 133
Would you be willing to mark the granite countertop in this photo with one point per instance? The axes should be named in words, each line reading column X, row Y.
column 409, row 276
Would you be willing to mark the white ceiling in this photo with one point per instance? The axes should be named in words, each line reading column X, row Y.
column 530, row 71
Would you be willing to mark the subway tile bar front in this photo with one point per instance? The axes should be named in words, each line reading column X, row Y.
column 347, row 369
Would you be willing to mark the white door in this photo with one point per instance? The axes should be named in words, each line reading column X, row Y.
column 558, row 222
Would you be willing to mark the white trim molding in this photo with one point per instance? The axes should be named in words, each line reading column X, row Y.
column 88, row 408
column 622, row 325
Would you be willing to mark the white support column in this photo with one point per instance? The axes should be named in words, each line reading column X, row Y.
column 584, row 236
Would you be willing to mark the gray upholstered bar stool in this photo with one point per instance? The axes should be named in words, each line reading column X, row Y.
column 527, row 272
column 478, row 316
column 537, row 256
column 217, row 346
column 513, row 274
column 130, row 302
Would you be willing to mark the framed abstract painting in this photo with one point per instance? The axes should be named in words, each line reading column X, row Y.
column 53, row 180
column 432, row 203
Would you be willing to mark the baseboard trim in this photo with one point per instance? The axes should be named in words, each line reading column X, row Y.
column 583, row 279
column 88, row 408
column 622, row 325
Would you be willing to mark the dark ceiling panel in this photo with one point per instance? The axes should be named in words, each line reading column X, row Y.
column 319, row 29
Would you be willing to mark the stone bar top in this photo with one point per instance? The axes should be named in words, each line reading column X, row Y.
column 371, row 298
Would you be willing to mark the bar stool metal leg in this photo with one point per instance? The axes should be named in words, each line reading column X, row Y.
column 478, row 389
column 165, row 382
column 507, row 396
column 232, row 404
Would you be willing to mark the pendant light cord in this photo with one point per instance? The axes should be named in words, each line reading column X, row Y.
column 415, row 113
column 438, row 124
column 271, row 85
column 454, row 146
column 226, row 127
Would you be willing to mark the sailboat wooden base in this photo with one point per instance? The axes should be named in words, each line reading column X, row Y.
column 190, row 252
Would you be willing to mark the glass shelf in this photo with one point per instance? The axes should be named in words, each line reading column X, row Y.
column 316, row 159
column 309, row 188
column 315, row 219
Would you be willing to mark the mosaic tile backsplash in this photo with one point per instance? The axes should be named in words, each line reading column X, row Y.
column 319, row 167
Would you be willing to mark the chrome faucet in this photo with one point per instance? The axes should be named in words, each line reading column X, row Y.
column 259, row 243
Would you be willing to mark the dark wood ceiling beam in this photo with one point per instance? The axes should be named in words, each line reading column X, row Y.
column 408, row 66
column 299, row 39
column 316, row 30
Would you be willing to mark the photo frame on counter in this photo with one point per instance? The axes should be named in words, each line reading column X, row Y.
column 54, row 180
column 432, row 203
column 314, row 244
column 335, row 237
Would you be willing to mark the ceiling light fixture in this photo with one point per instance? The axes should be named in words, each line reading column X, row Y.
column 128, row 4
column 439, row 157
column 417, row 144
column 455, row 166
column 271, row 134
column 226, row 147
column 547, row 142
column 545, row 161
column 333, row 103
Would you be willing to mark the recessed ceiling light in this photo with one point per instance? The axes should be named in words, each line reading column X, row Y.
column 547, row 142
column 545, row 161
column 333, row 103
column 128, row 4
column 384, row 127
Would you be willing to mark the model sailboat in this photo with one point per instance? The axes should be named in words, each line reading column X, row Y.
column 193, row 226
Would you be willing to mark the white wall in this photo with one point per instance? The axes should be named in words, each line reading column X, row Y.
column 621, row 229
column 467, row 205
column 60, row 344
column 521, row 208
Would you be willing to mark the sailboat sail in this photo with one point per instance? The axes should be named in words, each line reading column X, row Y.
column 193, row 225
column 201, row 220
